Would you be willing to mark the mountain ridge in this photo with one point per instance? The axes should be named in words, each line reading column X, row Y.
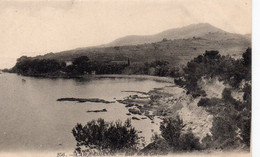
column 189, row 31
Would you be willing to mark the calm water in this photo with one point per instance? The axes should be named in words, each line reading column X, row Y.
column 32, row 120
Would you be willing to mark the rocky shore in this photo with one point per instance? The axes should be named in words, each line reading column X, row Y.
column 169, row 101
column 82, row 100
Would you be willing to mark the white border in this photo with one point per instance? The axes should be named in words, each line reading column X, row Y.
column 256, row 78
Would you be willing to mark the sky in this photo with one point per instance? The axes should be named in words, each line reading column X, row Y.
column 39, row 27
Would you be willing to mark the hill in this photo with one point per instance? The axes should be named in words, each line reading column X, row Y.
column 194, row 30
column 195, row 40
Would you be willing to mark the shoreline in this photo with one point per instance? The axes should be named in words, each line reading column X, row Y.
column 142, row 77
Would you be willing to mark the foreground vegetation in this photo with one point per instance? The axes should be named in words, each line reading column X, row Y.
column 107, row 138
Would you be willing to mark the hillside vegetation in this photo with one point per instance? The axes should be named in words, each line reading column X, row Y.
column 231, row 125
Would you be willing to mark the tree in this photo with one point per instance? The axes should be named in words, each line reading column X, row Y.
column 247, row 57
column 82, row 65
column 28, row 66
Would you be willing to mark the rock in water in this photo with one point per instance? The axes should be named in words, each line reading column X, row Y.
column 135, row 118
column 104, row 110
column 135, row 111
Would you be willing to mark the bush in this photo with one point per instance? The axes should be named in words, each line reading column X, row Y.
column 179, row 140
column 171, row 130
column 224, row 133
column 173, row 139
column 158, row 146
column 206, row 102
column 198, row 92
column 175, row 72
column 189, row 142
column 245, row 126
column 106, row 137
column 226, row 95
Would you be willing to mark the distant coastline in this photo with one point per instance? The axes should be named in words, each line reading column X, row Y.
column 147, row 77
column 89, row 76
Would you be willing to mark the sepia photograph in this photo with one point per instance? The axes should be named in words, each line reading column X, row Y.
column 126, row 78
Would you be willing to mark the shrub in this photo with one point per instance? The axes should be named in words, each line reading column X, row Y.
column 206, row 102
column 245, row 126
column 189, row 142
column 171, row 130
column 179, row 140
column 198, row 92
column 158, row 146
column 175, row 72
column 106, row 137
column 207, row 142
column 180, row 82
column 224, row 133
column 247, row 57
column 226, row 95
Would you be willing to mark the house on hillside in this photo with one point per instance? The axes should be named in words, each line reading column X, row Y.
column 68, row 63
